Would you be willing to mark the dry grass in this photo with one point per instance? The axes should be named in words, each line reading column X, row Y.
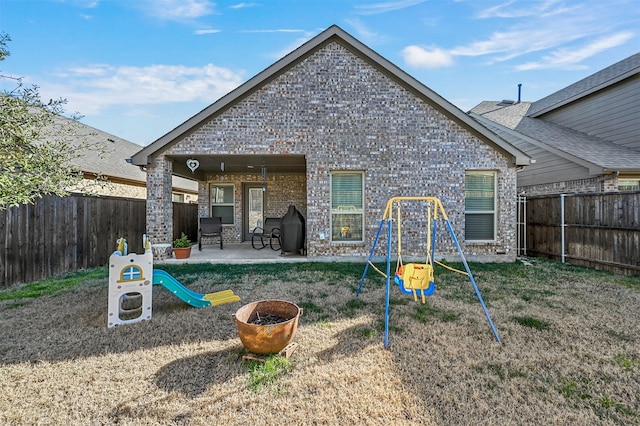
column 571, row 353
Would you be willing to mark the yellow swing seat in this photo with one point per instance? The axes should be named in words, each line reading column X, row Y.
column 416, row 278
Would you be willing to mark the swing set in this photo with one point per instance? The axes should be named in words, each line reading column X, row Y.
column 417, row 279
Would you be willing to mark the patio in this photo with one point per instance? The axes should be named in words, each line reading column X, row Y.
column 237, row 253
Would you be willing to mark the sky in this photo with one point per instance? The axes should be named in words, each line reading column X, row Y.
column 139, row 68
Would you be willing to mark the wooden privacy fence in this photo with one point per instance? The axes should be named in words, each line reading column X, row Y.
column 57, row 235
column 185, row 219
column 600, row 231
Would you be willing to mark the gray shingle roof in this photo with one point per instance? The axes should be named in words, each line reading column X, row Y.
column 592, row 149
column 109, row 157
column 584, row 87
column 595, row 150
column 506, row 115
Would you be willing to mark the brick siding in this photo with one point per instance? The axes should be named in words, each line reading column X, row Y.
column 578, row 186
column 282, row 191
column 344, row 114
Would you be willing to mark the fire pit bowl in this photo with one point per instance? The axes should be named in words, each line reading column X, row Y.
column 267, row 338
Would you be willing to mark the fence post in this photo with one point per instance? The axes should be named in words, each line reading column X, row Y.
column 521, row 226
column 562, row 225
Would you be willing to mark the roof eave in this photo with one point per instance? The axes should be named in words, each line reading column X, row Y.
column 594, row 169
column 519, row 158
column 621, row 170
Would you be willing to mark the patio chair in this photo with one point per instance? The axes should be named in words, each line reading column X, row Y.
column 210, row 227
column 267, row 235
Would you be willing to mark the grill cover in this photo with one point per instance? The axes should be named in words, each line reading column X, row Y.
column 292, row 231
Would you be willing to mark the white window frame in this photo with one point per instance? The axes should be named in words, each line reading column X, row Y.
column 346, row 210
column 494, row 211
column 232, row 204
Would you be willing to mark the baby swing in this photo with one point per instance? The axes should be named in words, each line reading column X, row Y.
column 417, row 278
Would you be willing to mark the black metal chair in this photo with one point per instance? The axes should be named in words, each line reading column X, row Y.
column 267, row 235
column 210, row 227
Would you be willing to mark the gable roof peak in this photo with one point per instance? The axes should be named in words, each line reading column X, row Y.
column 334, row 32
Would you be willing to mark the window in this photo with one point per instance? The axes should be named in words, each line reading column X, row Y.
column 177, row 198
column 629, row 185
column 480, row 206
column 347, row 206
column 131, row 273
column 223, row 203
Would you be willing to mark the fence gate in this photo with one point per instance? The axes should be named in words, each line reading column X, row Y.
column 521, row 227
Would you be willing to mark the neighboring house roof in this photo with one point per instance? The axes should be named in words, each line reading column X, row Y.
column 523, row 124
column 593, row 149
column 110, row 157
column 597, row 154
column 333, row 33
column 595, row 82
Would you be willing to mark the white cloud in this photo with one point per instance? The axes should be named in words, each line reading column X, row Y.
column 420, row 57
column 92, row 89
column 95, row 70
column 510, row 44
column 544, row 28
column 277, row 30
column 87, row 4
column 512, row 9
column 384, row 7
column 206, row 31
column 538, row 27
column 566, row 58
column 242, row 5
column 365, row 33
column 177, row 10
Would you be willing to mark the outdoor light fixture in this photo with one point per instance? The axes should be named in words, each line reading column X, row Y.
column 222, row 170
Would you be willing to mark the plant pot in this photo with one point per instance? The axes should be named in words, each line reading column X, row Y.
column 182, row 252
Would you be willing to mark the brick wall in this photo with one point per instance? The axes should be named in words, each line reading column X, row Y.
column 578, row 186
column 343, row 114
column 120, row 189
column 282, row 191
column 159, row 204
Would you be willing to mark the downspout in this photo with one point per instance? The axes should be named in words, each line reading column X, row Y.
column 562, row 225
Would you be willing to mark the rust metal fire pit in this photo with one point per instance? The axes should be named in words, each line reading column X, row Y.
column 267, row 338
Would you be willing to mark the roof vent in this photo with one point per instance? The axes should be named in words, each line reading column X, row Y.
column 507, row 102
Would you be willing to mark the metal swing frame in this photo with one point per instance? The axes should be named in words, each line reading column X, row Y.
column 438, row 211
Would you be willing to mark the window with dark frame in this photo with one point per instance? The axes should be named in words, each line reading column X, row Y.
column 223, row 202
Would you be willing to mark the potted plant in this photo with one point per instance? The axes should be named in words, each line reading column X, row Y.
column 182, row 247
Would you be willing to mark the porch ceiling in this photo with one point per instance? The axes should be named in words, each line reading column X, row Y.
column 281, row 163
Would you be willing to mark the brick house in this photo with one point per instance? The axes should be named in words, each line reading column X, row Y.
column 336, row 130
column 584, row 137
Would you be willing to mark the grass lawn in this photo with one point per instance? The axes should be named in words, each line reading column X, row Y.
column 570, row 351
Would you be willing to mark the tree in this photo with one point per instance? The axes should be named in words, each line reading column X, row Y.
column 36, row 153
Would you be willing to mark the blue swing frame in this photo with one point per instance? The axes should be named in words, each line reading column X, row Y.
column 387, row 218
